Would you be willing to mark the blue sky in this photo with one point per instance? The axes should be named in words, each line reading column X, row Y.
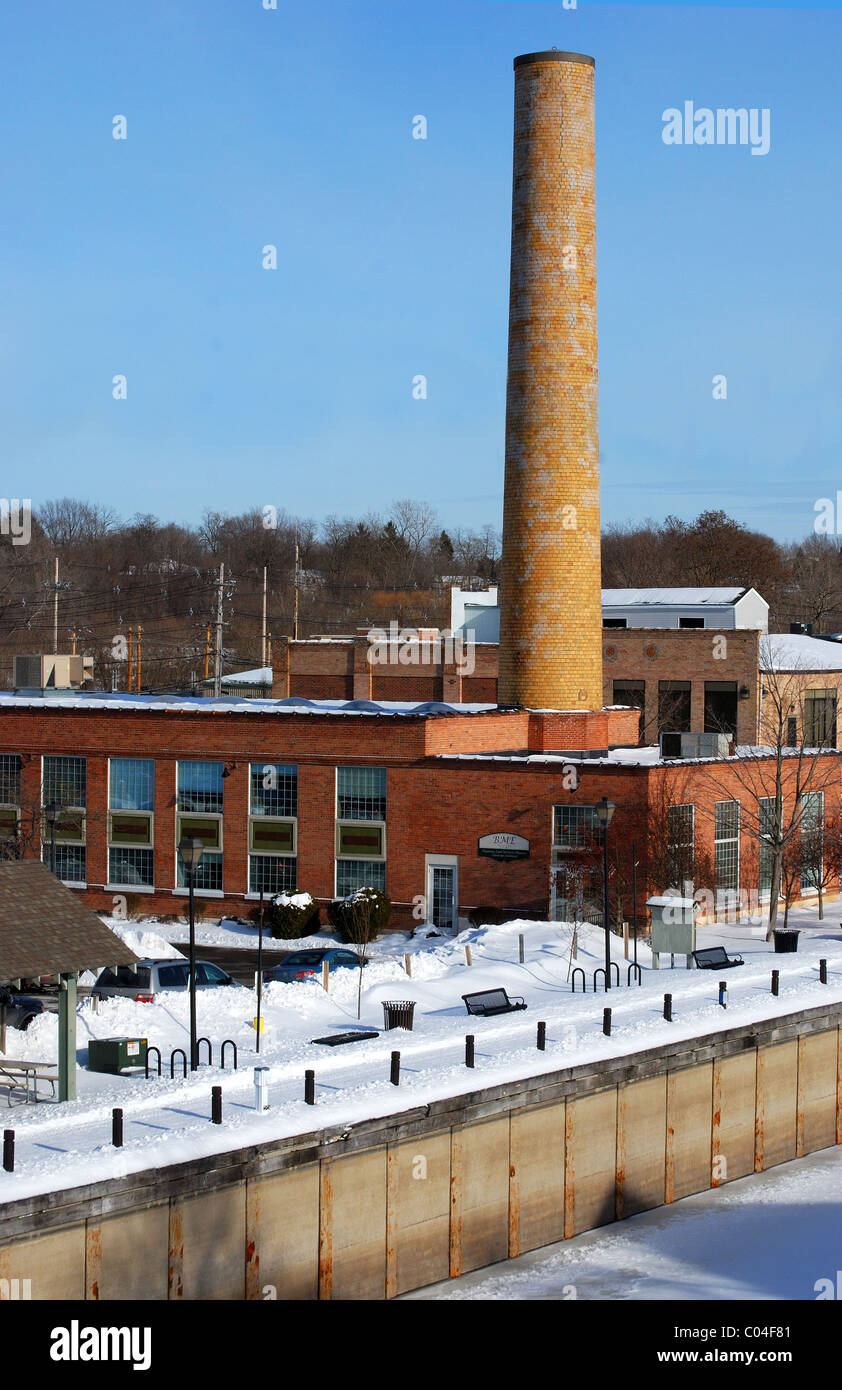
column 292, row 127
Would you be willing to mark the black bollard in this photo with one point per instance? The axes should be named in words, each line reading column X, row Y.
column 309, row 1088
column 469, row 1050
column 776, row 981
column 541, row 1042
column 395, row 1070
column 668, row 1008
column 723, row 989
column 216, row 1105
column 823, row 971
column 9, row 1150
column 117, row 1128
column 606, row 1022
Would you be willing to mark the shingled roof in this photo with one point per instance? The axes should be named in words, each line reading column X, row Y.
column 45, row 928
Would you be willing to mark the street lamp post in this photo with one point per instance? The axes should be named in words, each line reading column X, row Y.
column 51, row 811
column 191, row 852
column 259, row 969
column 604, row 812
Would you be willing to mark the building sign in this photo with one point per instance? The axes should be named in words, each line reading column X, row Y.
column 503, row 846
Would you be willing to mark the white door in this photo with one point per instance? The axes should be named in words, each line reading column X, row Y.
column 443, row 890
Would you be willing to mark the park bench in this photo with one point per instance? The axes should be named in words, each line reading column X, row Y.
column 715, row 958
column 491, row 1001
column 18, row 1075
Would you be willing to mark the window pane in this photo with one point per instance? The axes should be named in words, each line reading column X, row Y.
column 359, row 873
column 208, row 874
column 70, row 862
column 574, row 826
column 10, row 779
column 132, row 784
column 272, row 873
column 200, row 787
column 274, row 789
column 65, row 781
column 131, row 867
column 361, row 793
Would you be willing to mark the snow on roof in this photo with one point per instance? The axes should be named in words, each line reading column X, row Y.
column 793, row 651
column 641, row 598
column 232, row 704
column 261, row 675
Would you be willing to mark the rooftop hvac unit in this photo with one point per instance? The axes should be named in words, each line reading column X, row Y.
column 51, row 672
column 681, row 745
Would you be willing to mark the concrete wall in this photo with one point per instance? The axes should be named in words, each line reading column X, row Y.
column 410, row 1199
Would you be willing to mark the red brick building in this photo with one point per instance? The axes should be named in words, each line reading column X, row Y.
column 426, row 802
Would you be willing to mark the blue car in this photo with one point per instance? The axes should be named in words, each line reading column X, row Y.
column 307, row 965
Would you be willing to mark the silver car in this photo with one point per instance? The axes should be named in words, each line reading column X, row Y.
column 150, row 977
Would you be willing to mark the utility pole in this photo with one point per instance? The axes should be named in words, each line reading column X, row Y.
column 138, row 658
column 263, row 629
column 129, row 678
column 296, row 588
column 207, row 651
column 217, row 658
column 55, row 609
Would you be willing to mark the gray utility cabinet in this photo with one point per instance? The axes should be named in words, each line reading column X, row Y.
column 673, row 928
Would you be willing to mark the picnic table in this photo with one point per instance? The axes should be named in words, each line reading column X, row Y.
column 21, row 1075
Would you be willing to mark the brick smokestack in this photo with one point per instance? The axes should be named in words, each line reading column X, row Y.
column 550, row 602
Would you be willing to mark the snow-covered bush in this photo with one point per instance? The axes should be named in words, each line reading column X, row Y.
column 361, row 916
column 292, row 915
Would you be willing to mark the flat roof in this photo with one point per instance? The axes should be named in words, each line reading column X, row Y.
column 101, row 700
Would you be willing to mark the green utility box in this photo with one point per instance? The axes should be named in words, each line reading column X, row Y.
column 673, row 928
column 117, row 1055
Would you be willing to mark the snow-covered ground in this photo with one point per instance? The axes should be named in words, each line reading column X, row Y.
column 774, row 1235
column 167, row 1121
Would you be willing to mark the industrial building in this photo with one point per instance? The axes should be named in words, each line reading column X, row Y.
column 453, row 778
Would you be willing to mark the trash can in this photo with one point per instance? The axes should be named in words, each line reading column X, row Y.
column 398, row 1013
column 786, row 940
column 117, row 1056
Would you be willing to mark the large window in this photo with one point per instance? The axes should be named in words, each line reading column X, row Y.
column 812, row 840
column 273, row 827
column 200, row 788
column 574, row 827
column 768, row 834
column 64, row 784
column 674, row 707
column 721, row 707
column 10, row 765
column 820, row 719
column 131, row 803
column 681, row 844
column 360, row 828
column 726, row 849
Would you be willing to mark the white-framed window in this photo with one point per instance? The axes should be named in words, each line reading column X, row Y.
column 64, row 781
column 726, row 852
column 131, row 823
column 360, row 846
column 10, row 769
column 273, row 828
column 199, row 803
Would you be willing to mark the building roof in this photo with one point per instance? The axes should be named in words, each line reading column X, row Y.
column 46, row 929
column 645, row 598
column 793, row 651
column 232, row 704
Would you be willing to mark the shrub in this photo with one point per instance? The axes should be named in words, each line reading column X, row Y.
column 361, row 916
column 292, row 915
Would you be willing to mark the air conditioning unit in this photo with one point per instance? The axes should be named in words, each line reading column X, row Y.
column 51, row 672
column 681, row 745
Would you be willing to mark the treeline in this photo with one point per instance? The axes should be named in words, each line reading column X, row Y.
column 114, row 575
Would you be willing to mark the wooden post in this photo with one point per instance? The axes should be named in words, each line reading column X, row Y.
column 626, row 940
column 520, row 948
column 407, row 965
column 468, row 960
column 575, row 949
column 3, row 1028
column 326, row 975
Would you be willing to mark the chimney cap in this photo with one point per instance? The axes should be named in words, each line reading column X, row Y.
column 553, row 55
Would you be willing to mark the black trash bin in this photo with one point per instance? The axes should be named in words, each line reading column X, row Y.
column 786, row 940
column 398, row 1013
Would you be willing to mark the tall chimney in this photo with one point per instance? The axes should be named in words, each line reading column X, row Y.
column 550, row 602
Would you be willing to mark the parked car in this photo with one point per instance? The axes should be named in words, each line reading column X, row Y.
column 21, row 1008
column 151, row 977
column 305, row 965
